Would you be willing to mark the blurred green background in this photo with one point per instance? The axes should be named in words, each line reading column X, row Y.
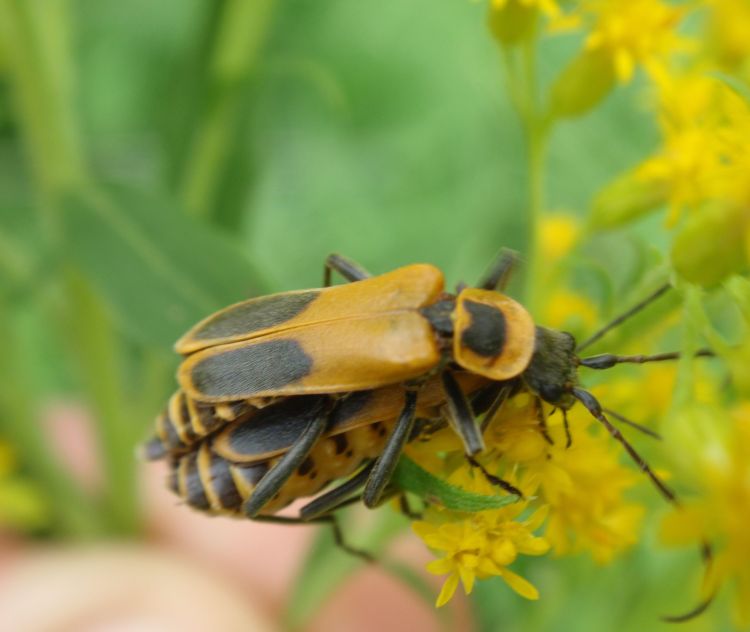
column 159, row 160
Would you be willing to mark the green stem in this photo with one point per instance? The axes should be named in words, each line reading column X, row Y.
column 240, row 35
column 35, row 40
column 522, row 86
column 97, row 351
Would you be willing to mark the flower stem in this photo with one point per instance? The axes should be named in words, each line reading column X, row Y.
column 240, row 34
column 522, row 87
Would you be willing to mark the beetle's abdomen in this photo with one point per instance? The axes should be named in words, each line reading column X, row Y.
column 184, row 422
column 212, row 483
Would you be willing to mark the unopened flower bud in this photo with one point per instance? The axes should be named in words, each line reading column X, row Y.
column 583, row 84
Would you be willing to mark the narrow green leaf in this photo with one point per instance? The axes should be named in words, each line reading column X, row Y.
column 159, row 270
column 411, row 477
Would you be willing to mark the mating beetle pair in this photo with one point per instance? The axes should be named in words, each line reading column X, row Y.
column 282, row 394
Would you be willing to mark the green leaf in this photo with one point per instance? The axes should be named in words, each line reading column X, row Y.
column 159, row 270
column 412, row 478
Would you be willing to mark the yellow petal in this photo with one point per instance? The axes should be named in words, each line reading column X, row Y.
column 467, row 578
column 441, row 567
column 520, row 585
column 449, row 587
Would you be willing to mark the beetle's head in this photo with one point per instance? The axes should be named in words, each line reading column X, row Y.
column 553, row 371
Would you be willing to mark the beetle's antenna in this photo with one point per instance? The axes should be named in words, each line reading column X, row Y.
column 624, row 316
column 632, row 424
column 595, row 408
column 608, row 360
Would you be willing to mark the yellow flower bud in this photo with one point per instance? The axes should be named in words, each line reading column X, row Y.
column 710, row 247
column 583, row 84
column 625, row 199
column 512, row 22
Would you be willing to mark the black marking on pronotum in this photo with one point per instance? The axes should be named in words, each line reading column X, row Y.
column 255, row 315
column 485, row 336
column 256, row 368
column 223, row 483
column 194, row 492
column 276, row 427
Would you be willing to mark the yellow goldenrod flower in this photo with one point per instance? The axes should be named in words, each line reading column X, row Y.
column 558, row 235
column 583, row 485
column 729, row 31
column 633, row 32
column 461, row 544
column 695, row 160
column 481, row 545
column 718, row 511
column 570, row 312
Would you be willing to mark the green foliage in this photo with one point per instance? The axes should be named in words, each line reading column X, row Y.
column 412, row 478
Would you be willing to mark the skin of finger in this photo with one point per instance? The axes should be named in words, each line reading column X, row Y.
column 122, row 587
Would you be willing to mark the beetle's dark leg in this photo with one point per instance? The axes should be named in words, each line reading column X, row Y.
column 275, row 478
column 497, row 277
column 461, row 416
column 405, row 508
column 566, row 425
column 345, row 267
column 593, row 406
column 334, row 498
column 542, row 421
column 497, row 404
column 382, row 471
column 327, row 519
column 494, row 480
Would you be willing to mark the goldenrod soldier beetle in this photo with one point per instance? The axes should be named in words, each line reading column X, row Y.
column 397, row 330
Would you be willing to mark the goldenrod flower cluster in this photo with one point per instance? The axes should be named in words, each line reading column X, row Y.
column 693, row 64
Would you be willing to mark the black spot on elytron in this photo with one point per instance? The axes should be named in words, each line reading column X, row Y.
column 340, row 443
column 349, row 454
column 306, row 466
column 485, row 336
column 313, row 475
column 256, row 314
column 276, row 427
column 194, row 492
column 223, row 483
column 255, row 368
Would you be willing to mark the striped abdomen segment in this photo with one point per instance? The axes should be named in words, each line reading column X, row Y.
column 185, row 421
column 214, row 484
